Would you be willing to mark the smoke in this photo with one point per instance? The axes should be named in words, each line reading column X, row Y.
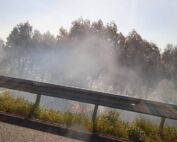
column 2, row 54
column 80, row 64
column 91, row 63
column 165, row 91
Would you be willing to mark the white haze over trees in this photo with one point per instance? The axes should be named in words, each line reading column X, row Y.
column 92, row 56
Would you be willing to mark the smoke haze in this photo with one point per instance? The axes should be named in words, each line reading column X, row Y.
column 90, row 61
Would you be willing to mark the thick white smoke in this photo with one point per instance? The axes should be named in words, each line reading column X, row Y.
column 90, row 63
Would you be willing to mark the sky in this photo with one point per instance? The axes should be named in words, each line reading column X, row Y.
column 154, row 20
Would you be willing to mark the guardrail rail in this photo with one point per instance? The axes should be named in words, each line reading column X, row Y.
column 159, row 109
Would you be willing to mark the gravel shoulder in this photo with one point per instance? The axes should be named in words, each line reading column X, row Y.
column 12, row 133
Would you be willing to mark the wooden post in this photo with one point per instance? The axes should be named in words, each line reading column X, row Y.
column 161, row 126
column 94, row 118
column 36, row 104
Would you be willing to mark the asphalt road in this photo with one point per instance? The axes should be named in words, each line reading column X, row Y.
column 11, row 133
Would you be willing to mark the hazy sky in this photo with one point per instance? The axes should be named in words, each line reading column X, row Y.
column 155, row 20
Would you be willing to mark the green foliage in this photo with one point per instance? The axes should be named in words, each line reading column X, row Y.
column 150, row 129
column 170, row 134
column 153, row 138
column 132, row 51
column 146, row 126
column 20, row 35
column 108, row 123
column 48, row 115
column 136, row 134
column 14, row 105
column 77, row 119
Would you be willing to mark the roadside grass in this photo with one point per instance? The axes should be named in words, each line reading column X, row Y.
column 67, row 119
column 108, row 123
column 16, row 105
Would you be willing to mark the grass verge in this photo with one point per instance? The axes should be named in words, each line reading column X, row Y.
column 108, row 123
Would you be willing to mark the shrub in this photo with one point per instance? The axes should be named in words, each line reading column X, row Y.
column 170, row 134
column 148, row 127
column 10, row 104
column 110, row 124
column 136, row 134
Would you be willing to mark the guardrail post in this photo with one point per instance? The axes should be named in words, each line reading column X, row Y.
column 36, row 104
column 161, row 126
column 94, row 118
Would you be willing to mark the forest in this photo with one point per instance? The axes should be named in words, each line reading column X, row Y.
column 95, row 56
column 92, row 55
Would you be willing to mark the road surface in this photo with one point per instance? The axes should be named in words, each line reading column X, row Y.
column 12, row 133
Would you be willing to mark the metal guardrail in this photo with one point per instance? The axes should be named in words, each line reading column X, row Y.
column 92, row 97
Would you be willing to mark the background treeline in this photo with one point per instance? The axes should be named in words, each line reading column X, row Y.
column 130, row 52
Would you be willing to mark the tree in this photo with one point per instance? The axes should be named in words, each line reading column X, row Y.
column 80, row 28
column 48, row 40
column 18, row 43
column 63, row 34
column 98, row 26
column 169, row 60
column 20, row 36
column 2, row 45
column 37, row 37
column 139, row 57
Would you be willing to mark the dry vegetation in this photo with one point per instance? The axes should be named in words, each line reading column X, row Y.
column 108, row 123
